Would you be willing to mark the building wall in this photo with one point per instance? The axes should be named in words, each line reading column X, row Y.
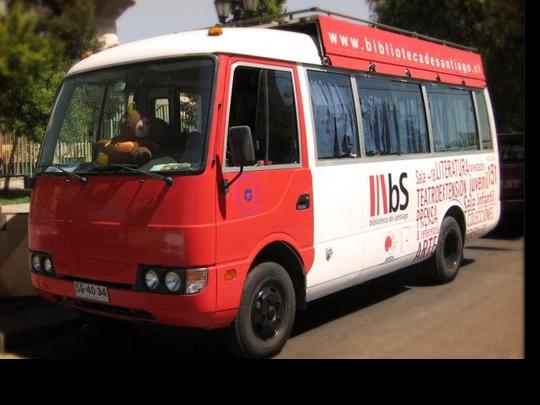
column 14, row 267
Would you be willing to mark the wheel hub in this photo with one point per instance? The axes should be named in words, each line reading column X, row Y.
column 268, row 311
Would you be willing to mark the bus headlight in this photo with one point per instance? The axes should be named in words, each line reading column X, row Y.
column 173, row 282
column 196, row 280
column 48, row 266
column 36, row 263
column 163, row 280
column 151, row 280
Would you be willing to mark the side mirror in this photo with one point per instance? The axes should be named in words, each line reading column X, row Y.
column 29, row 182
column 242, row 150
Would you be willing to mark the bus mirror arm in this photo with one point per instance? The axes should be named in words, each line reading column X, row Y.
column 225, row 184
column 242, row 152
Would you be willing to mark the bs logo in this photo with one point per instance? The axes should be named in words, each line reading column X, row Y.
column 389, row 199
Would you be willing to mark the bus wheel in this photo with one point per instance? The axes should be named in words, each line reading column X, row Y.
column 266, row 315
column 445, row 262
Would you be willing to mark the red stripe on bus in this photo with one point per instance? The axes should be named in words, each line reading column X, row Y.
column 383, row 189
column 372, row 194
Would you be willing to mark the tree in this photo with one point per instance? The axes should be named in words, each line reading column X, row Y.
column 495, row 27
column 37, row 46
column 28, row 73
column 72, row 22
column 264, row 8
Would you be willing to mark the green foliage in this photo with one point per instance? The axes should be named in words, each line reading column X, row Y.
column 31, row 66
column 82, row 115
column 495, row 27
column 37, row 46
column 264, row 8
column 72, row 22
column 14, row 197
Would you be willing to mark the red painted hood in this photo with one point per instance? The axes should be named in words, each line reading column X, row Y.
column 124, row 220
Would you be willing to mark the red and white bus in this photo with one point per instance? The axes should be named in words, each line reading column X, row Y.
column 258, row 169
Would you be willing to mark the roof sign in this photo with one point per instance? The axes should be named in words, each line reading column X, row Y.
column 359, row 47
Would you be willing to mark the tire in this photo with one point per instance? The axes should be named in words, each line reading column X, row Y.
column 444, row 265
column 266, row 314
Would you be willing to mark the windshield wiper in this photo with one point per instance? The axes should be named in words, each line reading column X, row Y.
column 166, row 179
column 82, row 179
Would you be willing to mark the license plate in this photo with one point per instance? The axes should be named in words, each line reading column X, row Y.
column 91, row 291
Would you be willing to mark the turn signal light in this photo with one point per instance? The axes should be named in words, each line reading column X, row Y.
column 215, row 31
column 230, row 275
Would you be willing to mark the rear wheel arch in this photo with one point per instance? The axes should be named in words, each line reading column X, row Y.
column 445, row 262
column 457, row 213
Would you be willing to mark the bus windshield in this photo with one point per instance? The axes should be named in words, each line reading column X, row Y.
column 151, row 116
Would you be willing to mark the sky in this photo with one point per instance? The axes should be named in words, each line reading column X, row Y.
column 148, row 18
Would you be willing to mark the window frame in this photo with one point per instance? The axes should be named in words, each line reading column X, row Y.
column 481, row 93
column 268, row 66
column 427, row 116
column 358, row 120
column 411, row 156
column 470, row 90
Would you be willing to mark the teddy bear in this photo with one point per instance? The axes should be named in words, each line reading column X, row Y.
column 132, row 145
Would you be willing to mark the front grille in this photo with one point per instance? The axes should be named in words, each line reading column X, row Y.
column 118, row 286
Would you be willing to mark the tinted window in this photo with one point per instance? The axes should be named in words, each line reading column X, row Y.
column 190, row 110
column 161, row 109
column 263, row 99
column 393, row 117
column 452, row 118
column 485, row 132
column 334, row 115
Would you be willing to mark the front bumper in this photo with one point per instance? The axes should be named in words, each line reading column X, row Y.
column 197, row 310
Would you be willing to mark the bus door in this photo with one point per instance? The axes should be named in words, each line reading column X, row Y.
column 270, row 200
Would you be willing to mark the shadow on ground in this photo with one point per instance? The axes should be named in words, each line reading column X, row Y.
column 357, row 298
column 122, row 340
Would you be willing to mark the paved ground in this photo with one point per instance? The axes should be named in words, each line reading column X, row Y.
column 15, row 208
column 479, row 315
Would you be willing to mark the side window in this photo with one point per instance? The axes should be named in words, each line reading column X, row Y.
column 263, row 99
column 485, row 131
column 190, row 111
column 334, row 115
column 161, row 109
column 393, row 117
column 452, row 118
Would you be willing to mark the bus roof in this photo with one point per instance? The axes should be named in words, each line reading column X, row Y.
column 317, row 40
column 258, row 42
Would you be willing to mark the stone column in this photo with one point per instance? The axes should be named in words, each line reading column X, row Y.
column 107, row 12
